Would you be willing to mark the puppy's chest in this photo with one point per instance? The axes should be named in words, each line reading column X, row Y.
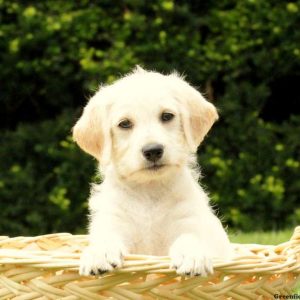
column 151, row 227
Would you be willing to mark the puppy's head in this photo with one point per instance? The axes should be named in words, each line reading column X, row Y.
column 145, row 125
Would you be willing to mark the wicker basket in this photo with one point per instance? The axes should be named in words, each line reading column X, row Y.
column 46, row 267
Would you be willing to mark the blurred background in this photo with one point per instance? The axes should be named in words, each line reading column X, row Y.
column 243, row 55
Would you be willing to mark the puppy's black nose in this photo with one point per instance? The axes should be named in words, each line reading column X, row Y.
column 153, row 152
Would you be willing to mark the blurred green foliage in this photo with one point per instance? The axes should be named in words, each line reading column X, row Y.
column 244, row 54
column 44, row 179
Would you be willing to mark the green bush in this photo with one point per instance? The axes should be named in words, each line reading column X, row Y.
column 253, row 177
column 244, row 54
column 44, row 179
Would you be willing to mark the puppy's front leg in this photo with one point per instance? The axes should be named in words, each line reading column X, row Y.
column 106, row 249
column 188, row 256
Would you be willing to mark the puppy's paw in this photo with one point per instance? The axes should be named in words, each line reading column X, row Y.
column 192, row 264
column 97, row 261
column 189, row 259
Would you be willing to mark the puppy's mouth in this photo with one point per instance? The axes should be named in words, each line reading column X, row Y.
column 155, row 167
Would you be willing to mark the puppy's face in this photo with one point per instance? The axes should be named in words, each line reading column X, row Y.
column 147, row 135
column 145, row 125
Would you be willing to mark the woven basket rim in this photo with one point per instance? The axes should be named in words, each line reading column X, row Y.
column 263, row 259
column 46, row 267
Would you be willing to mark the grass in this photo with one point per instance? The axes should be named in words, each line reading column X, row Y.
column 264, row 238
column 261, row 237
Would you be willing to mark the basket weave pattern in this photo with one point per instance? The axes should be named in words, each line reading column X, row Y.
column 46, row 267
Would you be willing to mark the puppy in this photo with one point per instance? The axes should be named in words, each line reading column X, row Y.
column 144, row 130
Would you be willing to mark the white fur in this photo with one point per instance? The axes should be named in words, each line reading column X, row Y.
column 140, row 210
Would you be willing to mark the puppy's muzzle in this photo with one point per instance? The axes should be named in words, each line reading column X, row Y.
column 153, row 152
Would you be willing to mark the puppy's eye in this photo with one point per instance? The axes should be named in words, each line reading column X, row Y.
column 166, row 117
column 125, row 124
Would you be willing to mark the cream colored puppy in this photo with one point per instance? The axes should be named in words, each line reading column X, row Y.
column 144, row 130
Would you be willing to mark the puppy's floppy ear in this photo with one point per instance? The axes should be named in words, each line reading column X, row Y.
column 90, row 131
column 198, row 115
